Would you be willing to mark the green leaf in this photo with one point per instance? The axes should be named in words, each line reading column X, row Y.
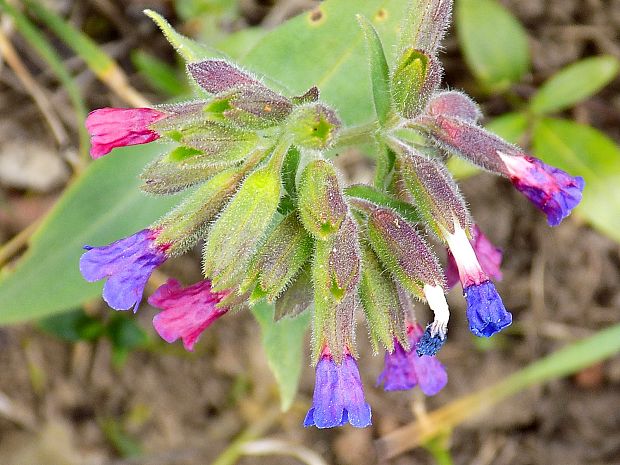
column 73, row 326
column 189, row 49
column 575, row 83
column 325, row 47
column 376, row 196
column 493, row 42
column 283, row 342
column 103, row 205
column 379, row 71
column 584, row 151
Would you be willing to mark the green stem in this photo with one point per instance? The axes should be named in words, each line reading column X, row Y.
column 357, row 135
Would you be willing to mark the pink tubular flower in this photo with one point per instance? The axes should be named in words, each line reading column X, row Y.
column 489, row 257
column 550, row 189
column 187, row 312
column 405, row 369
column 119, row 127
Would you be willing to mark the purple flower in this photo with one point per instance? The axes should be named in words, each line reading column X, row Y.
column 338, row 395
column 550, row 189
column 405, row 369
column 489, row 257
column 127, row 263
column 118, row 127
column 485, row 310
column 187, row 312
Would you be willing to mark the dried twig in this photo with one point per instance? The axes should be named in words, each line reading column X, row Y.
column 32, row 87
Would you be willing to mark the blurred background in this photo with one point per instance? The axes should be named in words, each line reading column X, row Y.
column 91, row 386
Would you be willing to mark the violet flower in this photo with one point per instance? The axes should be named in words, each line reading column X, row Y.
column 338, row 395
column 489, row 257
column 485, row 310
column 550, row 189
column 405, row 369
column 110, row 128
column 127, row 264
column 187, row 312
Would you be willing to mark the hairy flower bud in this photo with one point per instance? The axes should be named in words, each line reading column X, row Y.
column 403, row 252
column 436, row 195
column 217, row 76
column 296, row 298
column 426, row 24
column 416, row 76
column 336, row 274
column 254, row 107
column 379, row 296
column 285, row 250
column 550, row 189
column 453, row 104
column 313, row 126
column 188, row 222
column 321, row 204
column 237, row 232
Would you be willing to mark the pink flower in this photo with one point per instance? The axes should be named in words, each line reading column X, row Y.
column 119, row 127
column 489, row 257
column 187, row 312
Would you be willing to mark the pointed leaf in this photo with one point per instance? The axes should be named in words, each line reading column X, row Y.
column 379, row 71
column 575, row 83
column 103, row 205
column 495, row 45
column 283, row 342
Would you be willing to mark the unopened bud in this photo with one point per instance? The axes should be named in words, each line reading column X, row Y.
column 336, row 274
column 243, row 223
column 286, row 249
column 416, row 76
column 322, row 207
column 296, row 298
column 187, row 223
column 403, row 252
column 163, row 177
column 310, row 96
column 436, row 195
column 313, row 126
column 217, row 76
column 426, row 24
column 254, row 107
column 453, row 104
column 380, row 300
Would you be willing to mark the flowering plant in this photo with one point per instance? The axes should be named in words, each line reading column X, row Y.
column 279, row 225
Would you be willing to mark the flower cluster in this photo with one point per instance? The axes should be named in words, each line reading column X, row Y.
column 279, row 226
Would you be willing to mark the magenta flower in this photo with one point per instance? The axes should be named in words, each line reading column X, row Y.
column 187, row 312
column 119, row 127
column 550, row 189
column 338, row 395
column 127, row 264
column 405, row 369
column 489, row 257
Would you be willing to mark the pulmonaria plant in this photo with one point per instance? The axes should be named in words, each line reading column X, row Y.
column 279, row 226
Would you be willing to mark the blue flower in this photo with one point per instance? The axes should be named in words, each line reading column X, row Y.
column 338, row 395
column 430, row 344
column 405, row 369
column 485, row 310
column 127, row 263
